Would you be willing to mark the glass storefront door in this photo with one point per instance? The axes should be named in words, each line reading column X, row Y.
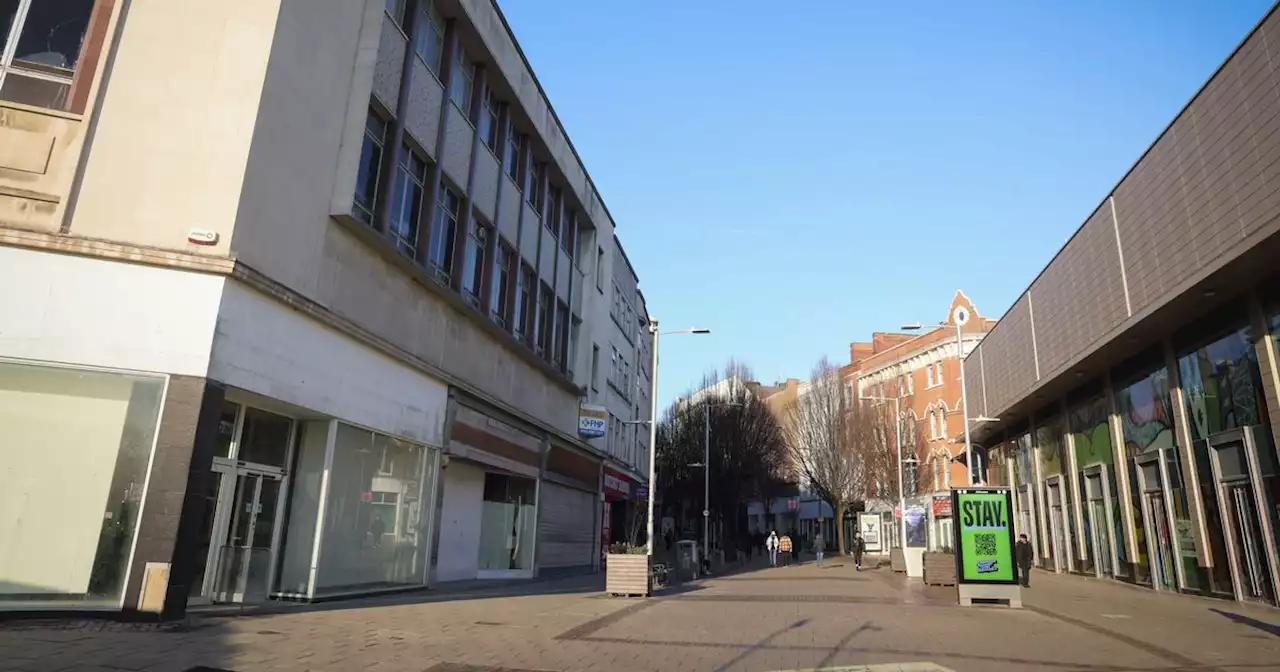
column 243, row 562
column 1155, row 512
column 1097, row 512
column 1246, row 528
column 1027, row 516
column 244, row 505
column 211, row 497
column 1058, row 524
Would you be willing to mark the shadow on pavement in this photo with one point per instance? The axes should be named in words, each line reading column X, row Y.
column 1269, row 628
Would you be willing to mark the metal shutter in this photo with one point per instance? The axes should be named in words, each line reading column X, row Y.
column 566, row 527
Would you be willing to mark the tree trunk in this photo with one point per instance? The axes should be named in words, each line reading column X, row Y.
column 839, row 508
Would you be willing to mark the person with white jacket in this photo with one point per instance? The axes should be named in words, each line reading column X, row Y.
column 772, row 545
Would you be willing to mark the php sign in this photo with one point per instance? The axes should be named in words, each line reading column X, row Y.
column 593, row 421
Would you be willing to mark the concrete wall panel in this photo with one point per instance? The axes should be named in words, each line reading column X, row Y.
column 422, row 118
column 484, row 192
column 530, row 235
column 386, row 74
column 509, row 209
column 455, row 156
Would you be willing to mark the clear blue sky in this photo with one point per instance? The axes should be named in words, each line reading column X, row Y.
column 796, row 179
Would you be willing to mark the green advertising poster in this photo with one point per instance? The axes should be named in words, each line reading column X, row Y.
column 984, row 527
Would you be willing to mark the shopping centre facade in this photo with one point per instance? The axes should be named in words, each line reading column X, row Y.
column 1135, row 380
column 302, row 300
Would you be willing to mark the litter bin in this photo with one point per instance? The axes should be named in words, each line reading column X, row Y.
column 687, row 562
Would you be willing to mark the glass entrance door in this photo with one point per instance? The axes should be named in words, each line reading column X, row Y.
column 1098, row 518
column 1058, row 525
column 207, row 526
column 1155, row 512
column 1251, row 555
column 1027, row 516
column 244, row 556
column 1248, row 532
column 1161, row 541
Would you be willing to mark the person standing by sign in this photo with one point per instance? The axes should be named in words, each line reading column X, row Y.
column 858, row 547
column 784, row 547
column 1023, row 554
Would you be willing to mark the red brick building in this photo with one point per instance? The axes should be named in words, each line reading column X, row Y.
column 922, row 372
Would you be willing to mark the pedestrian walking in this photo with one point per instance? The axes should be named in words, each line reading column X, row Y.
column 784, row 548
column 858, row 547
column 1023, row 554
column 772, row 544
column 818, row 548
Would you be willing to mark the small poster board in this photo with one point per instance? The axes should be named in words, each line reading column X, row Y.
column 869, row 528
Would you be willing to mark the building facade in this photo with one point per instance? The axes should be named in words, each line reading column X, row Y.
column 621, row 382
column 299, row 298
column 922, row 373
column 1136, row 377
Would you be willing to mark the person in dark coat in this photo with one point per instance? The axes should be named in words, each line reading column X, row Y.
column 858, row 546
column 1022, row 555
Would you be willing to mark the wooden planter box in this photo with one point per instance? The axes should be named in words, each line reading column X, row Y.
column 897, row 561
column 627, row 575
column 940, row 569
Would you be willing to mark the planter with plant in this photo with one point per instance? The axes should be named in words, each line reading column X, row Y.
column 940, row 567
column 627, row 570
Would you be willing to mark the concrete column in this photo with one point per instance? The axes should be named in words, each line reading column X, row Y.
column 1122, row 466
column 1190, row 474
column 1073, row 481
column 1268, row 365
column 174, row 506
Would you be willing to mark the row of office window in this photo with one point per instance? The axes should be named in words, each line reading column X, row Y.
column 464, row 252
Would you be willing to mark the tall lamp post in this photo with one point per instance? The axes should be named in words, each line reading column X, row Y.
column 706, row 475
column 897, row 439
column 959, row 316
column 653, row 423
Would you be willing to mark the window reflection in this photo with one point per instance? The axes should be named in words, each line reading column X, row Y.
column 374, row 525
column 1222, row 385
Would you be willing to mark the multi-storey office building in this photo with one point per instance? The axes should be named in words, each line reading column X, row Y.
column 299, row 302
column 621, row 382
column 1136, row 377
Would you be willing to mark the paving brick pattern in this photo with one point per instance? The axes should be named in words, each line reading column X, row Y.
column 792, row 619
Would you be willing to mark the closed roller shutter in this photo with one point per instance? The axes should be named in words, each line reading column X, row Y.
column 566, row 527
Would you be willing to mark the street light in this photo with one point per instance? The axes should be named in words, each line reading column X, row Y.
column 897, row 438
column 706, row 474
column 960, row 316
column 653, row 424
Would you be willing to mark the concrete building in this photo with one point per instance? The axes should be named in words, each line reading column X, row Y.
column 1136, row 377
column 301, row 300
column 922, row 372
column 622, row 382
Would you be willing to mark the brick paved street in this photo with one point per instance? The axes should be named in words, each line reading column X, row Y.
column 770, row 619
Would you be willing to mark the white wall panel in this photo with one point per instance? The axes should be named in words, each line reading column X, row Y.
column 265, row 347
column 62, row 308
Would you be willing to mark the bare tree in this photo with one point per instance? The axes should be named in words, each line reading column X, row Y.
column 839, row 446
column 747, row 452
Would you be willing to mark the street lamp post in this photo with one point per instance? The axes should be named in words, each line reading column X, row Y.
column 897, row 439
column 706, row 475
column 959, row 316
column 653, row 424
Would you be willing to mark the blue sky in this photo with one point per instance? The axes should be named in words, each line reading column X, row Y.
column 796, row 179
